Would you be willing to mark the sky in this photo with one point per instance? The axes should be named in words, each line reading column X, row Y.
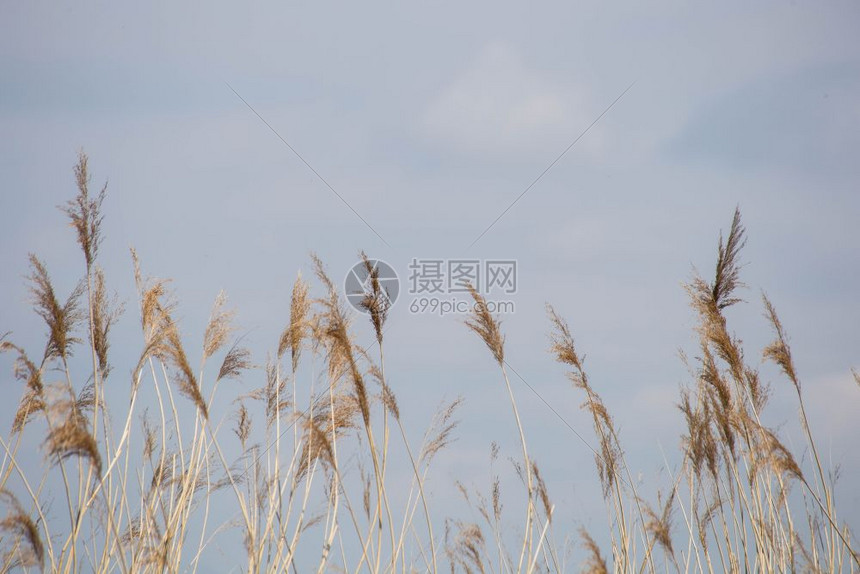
column 413, row 127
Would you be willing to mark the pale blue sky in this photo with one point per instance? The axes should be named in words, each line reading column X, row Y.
column 430, row 119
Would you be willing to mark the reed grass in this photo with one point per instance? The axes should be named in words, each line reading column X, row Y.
column 144, row 486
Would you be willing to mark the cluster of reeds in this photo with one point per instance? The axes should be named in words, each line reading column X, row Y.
column 142, row 496
column 733, row 490
column 154, row 484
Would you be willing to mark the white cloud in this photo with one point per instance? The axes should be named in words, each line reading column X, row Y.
column 500, row 106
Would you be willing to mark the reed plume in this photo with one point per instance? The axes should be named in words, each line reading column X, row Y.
column 84, row 211
column 486, row 326
column 18, row 525
column 61, row 319
column 299, row 327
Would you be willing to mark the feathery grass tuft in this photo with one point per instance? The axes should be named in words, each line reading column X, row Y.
column 486, row 326
column 18, row 524
column 61, row 320
column 219, row 328
column 595, row 563
column 84, row 211
column 236, row 361
column 299, row 327
column 376, row 300
column 72, row 438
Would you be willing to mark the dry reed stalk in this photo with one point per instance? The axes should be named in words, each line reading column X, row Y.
column 489, row 330
column 162, row 339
